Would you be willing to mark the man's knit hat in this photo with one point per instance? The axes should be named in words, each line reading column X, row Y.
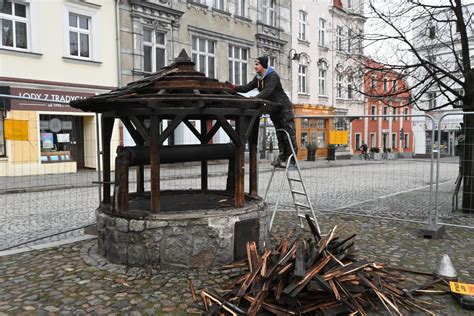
column 263, row 60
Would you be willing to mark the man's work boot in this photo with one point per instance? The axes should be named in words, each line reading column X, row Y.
column 279, row 162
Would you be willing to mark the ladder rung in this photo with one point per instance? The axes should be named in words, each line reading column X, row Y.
column 303, row 205
column 298, row 192
column 294, row 179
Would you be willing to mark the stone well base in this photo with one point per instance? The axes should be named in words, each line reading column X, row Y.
column 192, row 239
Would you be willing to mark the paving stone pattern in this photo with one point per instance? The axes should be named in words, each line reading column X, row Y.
column 73, row 280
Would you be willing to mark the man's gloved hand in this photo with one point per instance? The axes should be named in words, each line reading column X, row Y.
column 233, row 86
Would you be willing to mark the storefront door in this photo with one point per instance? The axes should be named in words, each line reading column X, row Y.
column 77, row 141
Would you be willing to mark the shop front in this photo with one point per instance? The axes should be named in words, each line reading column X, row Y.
column 60, row 139
column 312, row 129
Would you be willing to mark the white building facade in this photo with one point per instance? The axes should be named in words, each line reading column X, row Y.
column 327, row 69
column 436, row 42
column 56, row 51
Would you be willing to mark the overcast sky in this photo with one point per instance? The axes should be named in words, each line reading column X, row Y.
column 390, row 50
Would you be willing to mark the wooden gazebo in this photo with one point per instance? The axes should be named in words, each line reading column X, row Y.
column 179, row 94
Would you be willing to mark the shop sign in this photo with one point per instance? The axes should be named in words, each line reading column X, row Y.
column 15, row 129
column 338, row 137
column 50, row 95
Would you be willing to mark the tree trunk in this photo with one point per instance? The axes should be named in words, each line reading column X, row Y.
column 467, row 164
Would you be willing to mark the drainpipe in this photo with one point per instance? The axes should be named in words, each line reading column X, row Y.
column 290, row 75
column 117, row 38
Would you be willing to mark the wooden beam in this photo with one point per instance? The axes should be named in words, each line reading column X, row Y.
column 140, row 127
column 234, row 136
column 204, row 166
column 155, row 164
column 137, row 138
column 250, row 127
column 193, row 129
column 208, row 136
column 170, row 128
column 239, row 168
column 107, row 128
column 253, row 151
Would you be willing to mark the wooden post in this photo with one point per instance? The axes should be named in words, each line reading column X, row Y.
column 204, row 169
column 122, row 163
column 140, row 173
column 253, row 143
column 239, row 164
column 154, row 164
column 107, row 128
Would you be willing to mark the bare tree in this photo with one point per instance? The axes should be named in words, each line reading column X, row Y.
column 428, row 43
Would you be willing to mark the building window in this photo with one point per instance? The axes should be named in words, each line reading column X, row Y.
column 349, row 40
column 219, row 5
column 405, row 111
column 373, row 80
column 394, row 140
column 372, row 140
column 339, row 85
column 339, row 38
column 394, row 85
column 240, row 8
column 3, row 151
column 304, row 139
column 431, row 100
column 432, row 31
column 321, row 139
column 350, row 88
column 14, row 23
column 357, row 141
column 373, row 111
column 394, row 112
column 79, row 35
column 322, row 31
column 385, row 84
column 272, row 61
column 302, row 73
column 238, row 61
column 406, row 139
column 385, row 112
column 321, row 124
column 302, row 25
column 459, row 101
column 268, row 8
column 349, row 4
column 154, row 50
column 203, row 51
column 61, row 138
column 322, row 78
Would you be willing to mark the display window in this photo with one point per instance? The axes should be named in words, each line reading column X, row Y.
column 60, row 137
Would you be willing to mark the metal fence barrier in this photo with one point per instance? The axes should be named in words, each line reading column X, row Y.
column 414, row 179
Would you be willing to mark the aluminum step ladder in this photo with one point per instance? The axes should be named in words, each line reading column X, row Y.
column 294, row 180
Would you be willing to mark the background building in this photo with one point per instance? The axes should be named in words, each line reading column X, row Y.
column 223, row 37
column 59, row 51
column 438, row 41
column 381, row 86
column 326, row 60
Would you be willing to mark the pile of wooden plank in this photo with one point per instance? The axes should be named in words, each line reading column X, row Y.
column 301, row 277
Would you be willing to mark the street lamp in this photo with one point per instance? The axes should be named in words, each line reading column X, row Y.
column 296, row 56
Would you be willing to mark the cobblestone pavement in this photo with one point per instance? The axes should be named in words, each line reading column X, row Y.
column 65, row 280
column 37, row 206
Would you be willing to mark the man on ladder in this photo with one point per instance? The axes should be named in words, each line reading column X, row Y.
column 269, row 85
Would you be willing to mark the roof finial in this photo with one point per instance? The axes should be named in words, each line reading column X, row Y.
column 182, row 57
